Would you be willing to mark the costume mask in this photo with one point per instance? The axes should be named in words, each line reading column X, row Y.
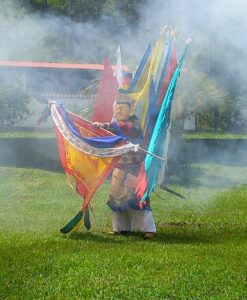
column 121, row 111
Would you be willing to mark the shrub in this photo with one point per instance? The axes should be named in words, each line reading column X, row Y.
column 13, row 105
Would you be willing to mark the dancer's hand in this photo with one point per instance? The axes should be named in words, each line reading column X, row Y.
column 97, row 124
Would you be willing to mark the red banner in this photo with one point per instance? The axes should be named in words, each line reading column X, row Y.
column 103, row 109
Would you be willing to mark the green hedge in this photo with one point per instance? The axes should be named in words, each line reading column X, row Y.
column 30, row 153
column 42, row 153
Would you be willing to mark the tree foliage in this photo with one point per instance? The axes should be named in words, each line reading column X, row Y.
column 85, row 10
column 202, row 97
column 13, row 105
column 203, row 94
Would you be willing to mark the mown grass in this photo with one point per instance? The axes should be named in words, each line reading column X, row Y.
column 51, row 134
column 27, row 134
column 215, row 136
column 199, row 251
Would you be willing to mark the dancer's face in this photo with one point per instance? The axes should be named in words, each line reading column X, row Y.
column 121, row 112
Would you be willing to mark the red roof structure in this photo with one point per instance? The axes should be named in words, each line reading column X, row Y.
column 56, row 65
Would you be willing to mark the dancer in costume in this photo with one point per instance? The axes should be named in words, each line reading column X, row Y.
column 127, row 213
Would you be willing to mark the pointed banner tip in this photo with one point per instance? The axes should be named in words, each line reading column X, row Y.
column 73, row 224
column 87, row 222
column 189, row 40
column 165, row 188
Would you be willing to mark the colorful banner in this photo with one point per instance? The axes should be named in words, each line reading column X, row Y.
column 168, row 71
column 88, row 170
column 106, row 95
column 159, row 140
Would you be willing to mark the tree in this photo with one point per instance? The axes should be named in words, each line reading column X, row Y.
column 202, row 97
column 84, row 10
column 13, row 105
column 45, row 3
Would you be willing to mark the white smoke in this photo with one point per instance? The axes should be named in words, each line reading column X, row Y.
column 217, row 29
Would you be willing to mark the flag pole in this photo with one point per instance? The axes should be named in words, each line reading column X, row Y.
column 152, row 154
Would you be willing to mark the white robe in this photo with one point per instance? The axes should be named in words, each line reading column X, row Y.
column 130, row 219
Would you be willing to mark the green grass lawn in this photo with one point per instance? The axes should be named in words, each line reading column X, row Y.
column 215, row 136
column 199, row 251
column 51, row 134
column 27, row 134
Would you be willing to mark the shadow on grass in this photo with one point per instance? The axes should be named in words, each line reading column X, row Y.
column 170, row 233
column 175, row 237
column 95, row 237
column 196, row 233
column 180, row 238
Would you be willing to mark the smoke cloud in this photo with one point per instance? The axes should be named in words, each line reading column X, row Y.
column 217, row 29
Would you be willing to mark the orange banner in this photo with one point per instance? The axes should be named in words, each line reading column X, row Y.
column 89, row 171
